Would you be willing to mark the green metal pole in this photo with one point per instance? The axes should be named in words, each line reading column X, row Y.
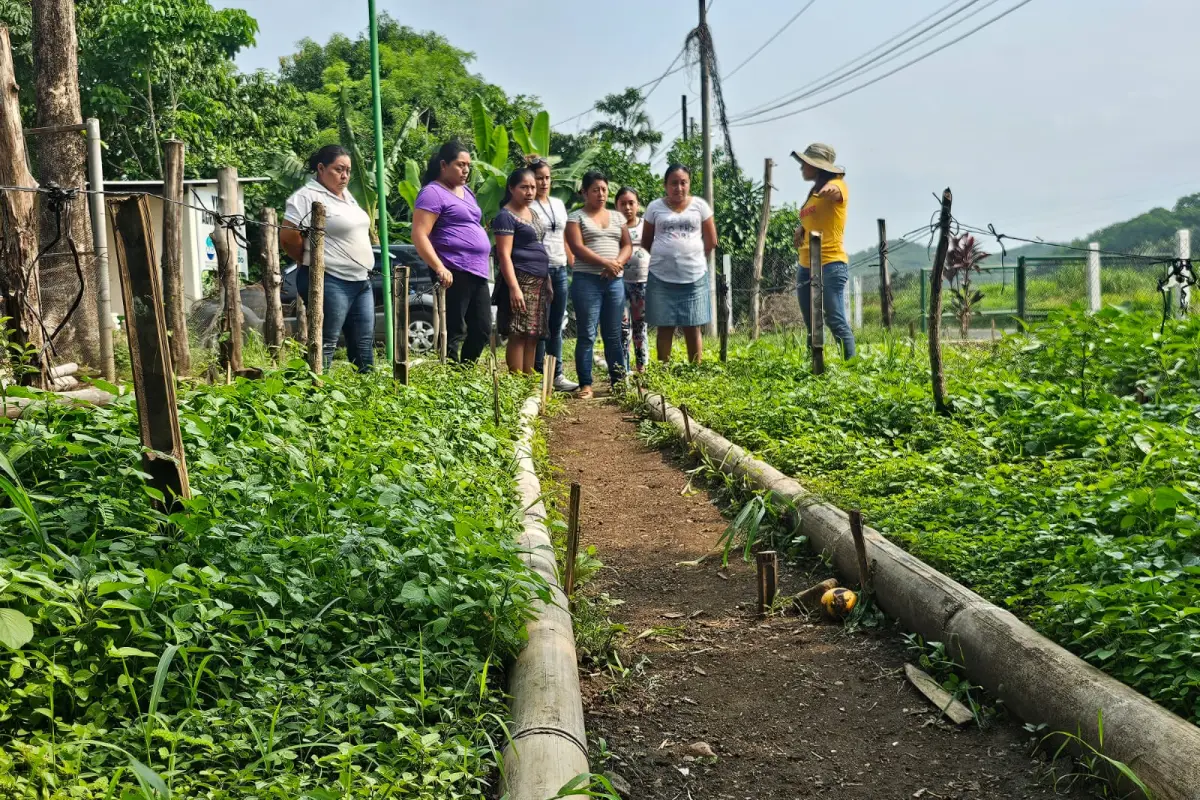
column 380, row 189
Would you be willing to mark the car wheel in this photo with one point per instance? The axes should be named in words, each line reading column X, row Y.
column 420, row 331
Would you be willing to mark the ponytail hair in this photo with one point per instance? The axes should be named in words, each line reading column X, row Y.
column 326, row 156
column 446, row 154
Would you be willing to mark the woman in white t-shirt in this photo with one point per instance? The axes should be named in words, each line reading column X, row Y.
column 553, row 214
column 679, row 233
column 349, row 300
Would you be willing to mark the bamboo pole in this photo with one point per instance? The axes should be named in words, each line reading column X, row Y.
column 316, row 290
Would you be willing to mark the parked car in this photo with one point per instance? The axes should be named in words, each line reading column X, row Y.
column 206, row 313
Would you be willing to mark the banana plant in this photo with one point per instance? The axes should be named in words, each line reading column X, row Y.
column 490, row 162
column 535, row 143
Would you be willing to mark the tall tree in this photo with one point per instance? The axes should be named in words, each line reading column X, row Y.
column 67, row 273
column 628, row 125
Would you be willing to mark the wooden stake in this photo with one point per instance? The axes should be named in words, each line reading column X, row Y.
column 885, row 277
column 816, row 293
column 768, row 577
column 760, row 244
column 496, row 380
column 993, row 329
column 437, row 317
column 400, row 322
column 149, row 351
column 572, row 540
column 549, row 367
column 936, row 369
column 227, row 269
column 316, row 290
column 445, row 333
column 860, row 549
column 723, row 308
column 301, row 320
column 172, row 255
column 272, row 281
column 687, row 423
column 18, row 220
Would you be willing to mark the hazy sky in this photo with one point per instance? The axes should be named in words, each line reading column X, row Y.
column 1060, row 118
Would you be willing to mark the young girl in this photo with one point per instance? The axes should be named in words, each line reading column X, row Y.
column 522, row 296
column 636, row 272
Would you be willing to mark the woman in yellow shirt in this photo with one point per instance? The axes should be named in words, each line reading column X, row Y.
column 824, row 212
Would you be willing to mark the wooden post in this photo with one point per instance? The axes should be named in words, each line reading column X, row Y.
column 227, row 269
column 937, row 372
column 272, row 280
column 760, row 245
column 722, row 316
column 860, row 549
column 549, row 367
column 18, row 221
column 400, row 325
column 149, row 351
column 687, row 422
column 816, row 295
column 768, row 579
column 572, row 540
column 496, row 380
column 885, row 277
column 316, row 290
column 172, row 255
column 437, row 317
column 1093, row 277
column 443, row 331
column 301, row 320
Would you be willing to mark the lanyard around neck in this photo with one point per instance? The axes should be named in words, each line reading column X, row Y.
column 550, row 214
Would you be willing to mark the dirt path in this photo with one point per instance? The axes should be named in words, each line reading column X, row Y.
column 791, row 709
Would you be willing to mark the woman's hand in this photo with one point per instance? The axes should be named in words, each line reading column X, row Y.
column 445, row 277
column 516, row 300
column 831, row 191
column 612, row 269
column 798, row 237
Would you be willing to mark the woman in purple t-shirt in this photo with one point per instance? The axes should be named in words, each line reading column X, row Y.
column 448, row 233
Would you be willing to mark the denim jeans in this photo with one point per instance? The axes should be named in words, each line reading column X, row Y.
column 603, row 299
column 836, row 274
column 350, row 309
column 552, row 342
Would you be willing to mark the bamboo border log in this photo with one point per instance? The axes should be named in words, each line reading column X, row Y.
column 548, row 746
column 1036, row 678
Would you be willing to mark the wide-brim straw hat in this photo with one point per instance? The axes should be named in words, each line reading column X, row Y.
column 820, row 156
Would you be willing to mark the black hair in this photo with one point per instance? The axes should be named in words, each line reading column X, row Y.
column 591, row 177
column 326, row 156
column 671, row 170
column 537, row 163
column 624, row 190
column 447, row 153
column 514, row 178
column 824, row 176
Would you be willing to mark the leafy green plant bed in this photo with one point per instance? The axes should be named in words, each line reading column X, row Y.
column 325, row 619
column 1064, row 487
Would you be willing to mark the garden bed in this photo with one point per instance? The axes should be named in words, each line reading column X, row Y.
column 327, row 617
column 1064, row 488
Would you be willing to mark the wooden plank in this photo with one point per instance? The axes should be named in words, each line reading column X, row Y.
column 945, row 702
column 149, row 350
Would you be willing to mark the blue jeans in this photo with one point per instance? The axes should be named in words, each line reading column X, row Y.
column 599, row 298
column 349, row 308
column 835, row 274
column 552, row 342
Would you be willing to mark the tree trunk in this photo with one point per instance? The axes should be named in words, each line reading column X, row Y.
column 62, row 159
column 18, row 228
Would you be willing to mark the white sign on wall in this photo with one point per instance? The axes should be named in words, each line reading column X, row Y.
column 206, row 252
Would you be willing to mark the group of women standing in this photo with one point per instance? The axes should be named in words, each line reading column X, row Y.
column 656, row 264
column 623, row 271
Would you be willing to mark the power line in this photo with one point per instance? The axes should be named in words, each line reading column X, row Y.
column 764, row 45
column 857, row 59
column 889, row 73
column 670, row 70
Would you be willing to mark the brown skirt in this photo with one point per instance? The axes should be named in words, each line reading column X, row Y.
column 535, row 321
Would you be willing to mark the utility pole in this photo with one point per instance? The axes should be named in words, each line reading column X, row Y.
column 706, row 141
column 683, row 100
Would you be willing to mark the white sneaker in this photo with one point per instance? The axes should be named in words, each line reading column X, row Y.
column 562, row 384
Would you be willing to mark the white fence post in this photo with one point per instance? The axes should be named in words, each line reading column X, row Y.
column 1093, row 277
column 856, row 294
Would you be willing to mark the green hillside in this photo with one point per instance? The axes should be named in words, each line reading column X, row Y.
column 1149, row 233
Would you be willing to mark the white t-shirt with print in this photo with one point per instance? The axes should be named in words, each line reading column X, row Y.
column 553, row 215
column 348, row 253
column 677, row 253
column 638, row 266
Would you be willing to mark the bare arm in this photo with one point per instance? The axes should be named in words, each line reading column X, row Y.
column 569, row 251
column 647, row 236
column 709, row 231
column 292, row 241
column 626, row 247
column 422, row 226
column 504, row 246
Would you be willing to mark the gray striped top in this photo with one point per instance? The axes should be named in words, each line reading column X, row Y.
column 604, row 242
